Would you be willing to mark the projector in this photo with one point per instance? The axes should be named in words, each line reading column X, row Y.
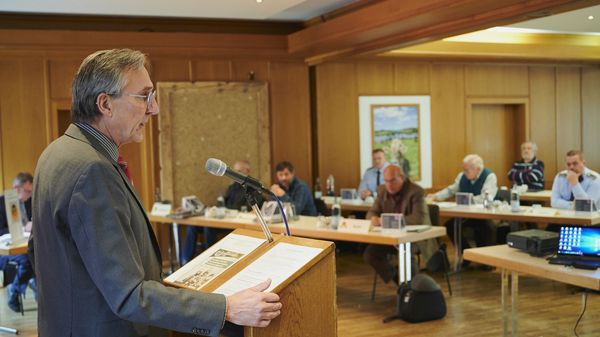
column 534, row 241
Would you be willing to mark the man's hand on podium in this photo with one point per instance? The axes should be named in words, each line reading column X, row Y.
column 253, row 307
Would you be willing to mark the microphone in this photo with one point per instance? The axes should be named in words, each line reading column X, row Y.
column 219, row 168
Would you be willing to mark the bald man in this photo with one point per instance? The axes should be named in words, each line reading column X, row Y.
column 234, row 198
column 397, row 195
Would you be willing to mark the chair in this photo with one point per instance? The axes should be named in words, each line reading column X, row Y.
column 434, row 217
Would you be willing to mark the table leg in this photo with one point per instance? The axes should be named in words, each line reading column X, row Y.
column 404, row 263
column 514, row 279
column 176, row 242
column 404, row 275
column 457, row 229
column 504, row 301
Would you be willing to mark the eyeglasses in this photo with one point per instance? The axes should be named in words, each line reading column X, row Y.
column 148, row 98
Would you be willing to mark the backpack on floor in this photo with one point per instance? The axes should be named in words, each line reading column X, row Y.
column 421, row 300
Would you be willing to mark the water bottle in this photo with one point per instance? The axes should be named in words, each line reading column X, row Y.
column 515, row 204
column 336, row 214
column 318, row 193
column 486, row 200
column 330, row 186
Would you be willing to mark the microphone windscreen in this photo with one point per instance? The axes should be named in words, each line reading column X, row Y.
column 215, row 166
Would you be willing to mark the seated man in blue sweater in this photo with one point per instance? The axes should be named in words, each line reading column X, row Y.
column 475, row 179
column 292, row 189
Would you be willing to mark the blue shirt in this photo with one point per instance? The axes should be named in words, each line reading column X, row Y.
column 299, row 194
column 369, row 180
column 587, row 188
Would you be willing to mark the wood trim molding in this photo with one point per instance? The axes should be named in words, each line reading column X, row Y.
column 393, row 24
column 145, row 24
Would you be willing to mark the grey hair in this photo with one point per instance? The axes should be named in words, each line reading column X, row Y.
column 22, row 178
column 101, row 72
column 474, row 160
column 533, row 145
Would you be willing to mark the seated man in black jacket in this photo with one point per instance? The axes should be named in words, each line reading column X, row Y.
column 23, row 183
column 234, row 198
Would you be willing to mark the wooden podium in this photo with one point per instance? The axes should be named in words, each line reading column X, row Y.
column 308, row 296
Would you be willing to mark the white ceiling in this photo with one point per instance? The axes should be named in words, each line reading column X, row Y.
column 571, row 22
column 298, row 10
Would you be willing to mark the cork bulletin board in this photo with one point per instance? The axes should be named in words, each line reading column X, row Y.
column 228, row 121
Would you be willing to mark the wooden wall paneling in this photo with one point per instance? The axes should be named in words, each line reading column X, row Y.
column 590, row 108
column 412, row 78
column 241, row 70
column 374, row 78
column 337, row 117
column 290, row 118
column 23, row 119
column 62, row 72
column 496, row 131
column 447, row 122
column 568, row 111
column 542, row 84
column 166, row 70
column 496, row 80
column 211, row 70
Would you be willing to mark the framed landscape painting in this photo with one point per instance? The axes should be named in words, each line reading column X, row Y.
column 400, row 125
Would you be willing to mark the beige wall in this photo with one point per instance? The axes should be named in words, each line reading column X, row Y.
column 563, row 109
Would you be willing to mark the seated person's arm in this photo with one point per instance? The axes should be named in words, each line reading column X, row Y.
column 491, row 186
column 557, row 201
column 446, row 192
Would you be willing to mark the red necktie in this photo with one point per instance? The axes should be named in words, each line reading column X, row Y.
column 123, row 164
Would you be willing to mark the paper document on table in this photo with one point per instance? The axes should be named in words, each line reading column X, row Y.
column 417, row 228
column 214, row 261
column 278, row 264
column 445, row 204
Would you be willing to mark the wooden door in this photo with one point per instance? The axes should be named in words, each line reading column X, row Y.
column 497, row 131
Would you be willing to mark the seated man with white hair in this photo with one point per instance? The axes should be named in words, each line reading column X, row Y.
column 529, row 170
column 475, row 179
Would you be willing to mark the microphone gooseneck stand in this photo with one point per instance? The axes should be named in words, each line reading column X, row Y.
column 251, row 200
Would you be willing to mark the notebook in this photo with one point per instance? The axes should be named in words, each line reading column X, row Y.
column 578, row 247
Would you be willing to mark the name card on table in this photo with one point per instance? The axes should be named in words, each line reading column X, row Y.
column 354, row 226
column 160, row 209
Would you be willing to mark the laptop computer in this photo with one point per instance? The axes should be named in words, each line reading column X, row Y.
column 578, row 247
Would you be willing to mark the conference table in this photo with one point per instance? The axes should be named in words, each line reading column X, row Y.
column 542, row 197
column 7, row 249
column 358, row 205
column 525, row 214
column 513, row 262
column 307, row 226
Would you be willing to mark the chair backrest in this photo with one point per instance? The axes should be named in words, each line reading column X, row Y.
column 434, row 214
column 322, row 208
column 503, row 195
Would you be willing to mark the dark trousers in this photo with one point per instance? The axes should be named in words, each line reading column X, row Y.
column 377, row 257
column 481, row 231
column 24, row 270
column 189, row 247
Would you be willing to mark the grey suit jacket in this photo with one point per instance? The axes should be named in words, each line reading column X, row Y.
column 97, row 260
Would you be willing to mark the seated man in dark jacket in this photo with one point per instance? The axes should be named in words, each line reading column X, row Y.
column 23, row 183
column 234, row 198
column 289, row 188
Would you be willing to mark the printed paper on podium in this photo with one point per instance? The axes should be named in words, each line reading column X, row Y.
column 214, row 261
column 278, row 264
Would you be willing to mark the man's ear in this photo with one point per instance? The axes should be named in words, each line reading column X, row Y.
column 104, row 103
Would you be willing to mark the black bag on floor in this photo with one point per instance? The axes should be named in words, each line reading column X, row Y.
column 421, row 300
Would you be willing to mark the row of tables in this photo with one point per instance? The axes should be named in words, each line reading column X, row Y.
column 510, row 261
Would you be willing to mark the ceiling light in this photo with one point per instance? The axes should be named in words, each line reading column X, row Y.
column 591, row 17
column 259, row 1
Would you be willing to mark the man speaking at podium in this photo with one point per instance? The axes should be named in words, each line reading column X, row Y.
column 97, row 260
